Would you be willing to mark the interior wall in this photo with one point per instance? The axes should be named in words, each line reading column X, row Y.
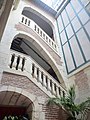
column 4, row 16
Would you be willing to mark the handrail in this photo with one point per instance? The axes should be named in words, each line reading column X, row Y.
column 21, row 62
column 31, row 24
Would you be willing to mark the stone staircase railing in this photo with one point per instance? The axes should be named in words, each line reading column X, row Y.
column 24, row 63
column 31, row 24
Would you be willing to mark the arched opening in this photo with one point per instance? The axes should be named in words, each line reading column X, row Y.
column 44, row 25
column 15, row 104
column 26, row 47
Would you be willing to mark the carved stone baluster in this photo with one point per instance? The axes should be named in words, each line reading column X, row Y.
column 12, row 60
column 17, row 62
column 23, row 63
column 20, row 63
column 22, row 19
column 44, row 80
column 46, row 39
column 32, row 69
column 49, row 86
column 57, row 91
column 49, row 42
column 28, row 22
column 40, row 76
column 53, row 88
column 35, row 72
column 43, row 36
column 35, row 27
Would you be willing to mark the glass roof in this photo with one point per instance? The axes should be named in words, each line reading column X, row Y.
column 48, row 2
column 51, row 3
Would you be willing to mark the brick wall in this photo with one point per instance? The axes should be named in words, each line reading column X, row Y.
column 82, row 81
column 50, row 112
column 53, row 112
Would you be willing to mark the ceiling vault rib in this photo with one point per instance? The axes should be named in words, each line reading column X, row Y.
column 24, row 101
column 4, row 97
column 17, row 99
column 11, row 98
column 29, row 105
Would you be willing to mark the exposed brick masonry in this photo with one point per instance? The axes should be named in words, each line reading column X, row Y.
column 81, row 81
column 51, row 112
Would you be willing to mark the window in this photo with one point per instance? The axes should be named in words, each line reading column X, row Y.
column 60, row 24
column 69, row 31
column 76, row 24
column 85, row 2
column 76, row 51
column 76, row 5
column 87, row 27
column 65, row 18
column 68, row 57
column 70, row 11
column 63, row 37
column 83, row 16
column 85, row 43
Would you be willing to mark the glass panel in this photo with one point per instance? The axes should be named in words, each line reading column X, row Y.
column 48, row 2
column 85, row 43
column 76, row 51
column 68, row 57
column 76, row 24
column 83, row 16
column 63, row 37
column 69, row 31
column 76, row 5
column 88, row 7
column 70, row 11
column 60, row 24
column 87, row 27
column 85, row 2
column 65, row 18
column 55, row 1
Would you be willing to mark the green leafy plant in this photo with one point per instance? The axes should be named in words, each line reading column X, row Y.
column 15, row 118
column 11, row 118
column 75, row 111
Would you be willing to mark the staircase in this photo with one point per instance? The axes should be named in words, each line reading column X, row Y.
column 22, row 64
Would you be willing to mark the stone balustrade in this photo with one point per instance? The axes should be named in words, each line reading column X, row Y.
column 22, row 62
column 31, row 24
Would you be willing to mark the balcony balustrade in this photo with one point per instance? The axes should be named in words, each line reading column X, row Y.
column 24, row 63
column 31, row 24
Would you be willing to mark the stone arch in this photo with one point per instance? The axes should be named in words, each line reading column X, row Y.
column 24, row 93
column 47, row 55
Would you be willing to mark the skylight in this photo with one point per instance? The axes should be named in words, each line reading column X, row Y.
column 53, row 3
column 48, row 2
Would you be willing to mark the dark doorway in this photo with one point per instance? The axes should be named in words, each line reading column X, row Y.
column 12, row 111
